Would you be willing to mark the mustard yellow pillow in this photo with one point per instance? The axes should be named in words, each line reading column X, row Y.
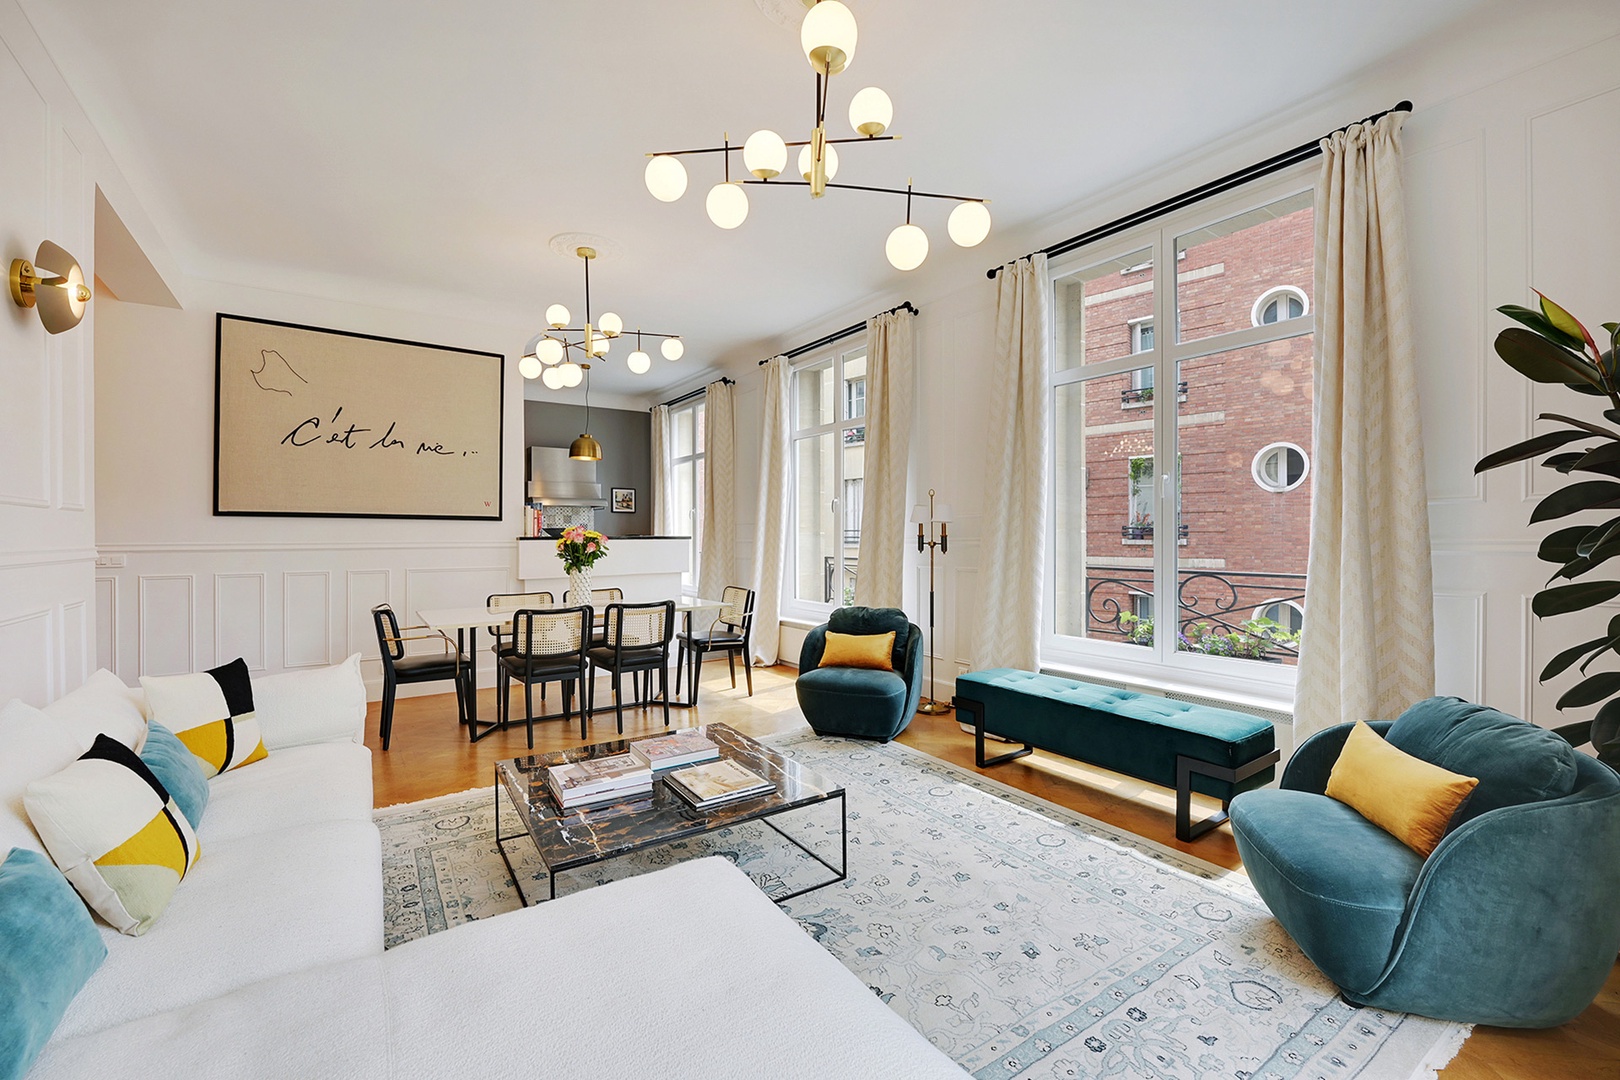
column 1405, row 796
column 859, row 650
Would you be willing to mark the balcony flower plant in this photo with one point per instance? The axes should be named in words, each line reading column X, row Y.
column 579, row 549
column 1551, row 346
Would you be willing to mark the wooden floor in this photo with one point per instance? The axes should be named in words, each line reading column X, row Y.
column 430, row 756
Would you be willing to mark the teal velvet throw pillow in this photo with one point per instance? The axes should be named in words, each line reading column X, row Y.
column 175, row 766
column 49, row 948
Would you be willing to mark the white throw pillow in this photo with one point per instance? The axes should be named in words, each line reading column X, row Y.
column 32, row 745
column 102, row 706
column 319, row 705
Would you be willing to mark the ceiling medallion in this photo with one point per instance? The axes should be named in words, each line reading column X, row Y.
column 827, row 36
column 567, row 244
column 561, row 362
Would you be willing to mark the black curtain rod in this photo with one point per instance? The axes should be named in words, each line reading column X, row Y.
column 692, row 394
column 1302, row 152
column 853, row 328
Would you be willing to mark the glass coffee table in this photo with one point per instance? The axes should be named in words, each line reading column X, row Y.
column 566, row 839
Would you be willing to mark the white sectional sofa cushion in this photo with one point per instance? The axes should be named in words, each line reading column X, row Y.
column 688, row 971
column 332, row 782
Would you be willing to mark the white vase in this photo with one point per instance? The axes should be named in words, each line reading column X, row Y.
column 579, row 587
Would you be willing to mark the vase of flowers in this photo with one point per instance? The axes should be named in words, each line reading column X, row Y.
column 579, row 548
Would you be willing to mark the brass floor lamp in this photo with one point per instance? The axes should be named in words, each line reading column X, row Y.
column 926, row 518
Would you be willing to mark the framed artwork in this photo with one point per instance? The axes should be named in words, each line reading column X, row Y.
column 624, row 500
column 324, row 423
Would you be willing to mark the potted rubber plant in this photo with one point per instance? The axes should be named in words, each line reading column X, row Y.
column 1551, row 346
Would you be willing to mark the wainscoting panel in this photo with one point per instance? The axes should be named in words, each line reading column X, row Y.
column 73, row 654
column 1459, row 653
column 69, row 213
column 240, row 620
column 107, row 623
column 166, row 624
column 366, row 589
column 306, row 619
column 27, row 418
column 26, row 641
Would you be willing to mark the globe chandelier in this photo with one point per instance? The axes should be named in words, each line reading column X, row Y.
column 828, row 38
column 560, row 363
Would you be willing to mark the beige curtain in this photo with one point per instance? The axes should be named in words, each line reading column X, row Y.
column 663, row 512
column 1015, row 448
column 770, row 548
column 719, row 565
column 890, row 352
column 1368, row 646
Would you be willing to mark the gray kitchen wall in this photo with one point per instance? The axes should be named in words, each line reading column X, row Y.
column 626, row 439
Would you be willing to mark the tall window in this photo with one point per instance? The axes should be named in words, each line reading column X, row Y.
column 829, row 464
column 1224, row 458
column 686, row 480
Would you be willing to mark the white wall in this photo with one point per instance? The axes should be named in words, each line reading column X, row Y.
column 1511, row 159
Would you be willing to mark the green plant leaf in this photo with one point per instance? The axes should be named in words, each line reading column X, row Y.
column 1559, row 546
column 1573, row 498
column 1578, row 597
column 1539, row 322
column 1566, row 322
column 1597, row 537
column 1607, row 454
column 1540, row 360
column 1560, row 663
column 1590, row 391
column 1530, row 448
column 1563, row 462
column 1589, row 691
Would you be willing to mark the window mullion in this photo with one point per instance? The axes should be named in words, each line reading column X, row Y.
column 1165, row 550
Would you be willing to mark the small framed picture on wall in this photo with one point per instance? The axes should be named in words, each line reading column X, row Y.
column 624, row 500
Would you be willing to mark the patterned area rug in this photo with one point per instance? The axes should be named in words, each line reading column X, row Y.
column 1021, row 938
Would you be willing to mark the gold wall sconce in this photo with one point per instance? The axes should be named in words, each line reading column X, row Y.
column 54, row 284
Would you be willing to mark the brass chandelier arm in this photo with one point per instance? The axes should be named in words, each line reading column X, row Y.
column 737, row 149
column 597, row 331
column 867, row 187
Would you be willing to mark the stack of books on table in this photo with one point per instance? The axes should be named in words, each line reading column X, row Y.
column 598, row 780
column 716, row 783
column 680, row 748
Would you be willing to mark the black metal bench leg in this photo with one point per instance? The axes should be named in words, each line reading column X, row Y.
column 1186, row 829
column 976, row 708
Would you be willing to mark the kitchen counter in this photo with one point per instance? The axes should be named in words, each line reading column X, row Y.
column 645, row 567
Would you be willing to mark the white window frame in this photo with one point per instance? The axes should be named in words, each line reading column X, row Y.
column 1261, row 609
column 1265, row 485
column 694, row 523
column 1163, row 664
column 839, row 354
column 1277, row 293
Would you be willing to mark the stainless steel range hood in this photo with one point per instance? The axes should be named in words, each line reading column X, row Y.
column 556, row 479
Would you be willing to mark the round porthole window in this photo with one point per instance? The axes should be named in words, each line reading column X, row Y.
column 1279, row 305
column 1285, row 613
column 1281, row 467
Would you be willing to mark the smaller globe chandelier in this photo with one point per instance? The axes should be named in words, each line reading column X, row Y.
column 561, row 362
column 827, row 37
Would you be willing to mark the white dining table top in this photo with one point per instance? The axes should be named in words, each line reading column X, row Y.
column 477, row 616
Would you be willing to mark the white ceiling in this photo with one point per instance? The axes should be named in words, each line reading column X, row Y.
column 415, row 149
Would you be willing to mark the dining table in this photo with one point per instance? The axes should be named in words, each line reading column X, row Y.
column 467, row 621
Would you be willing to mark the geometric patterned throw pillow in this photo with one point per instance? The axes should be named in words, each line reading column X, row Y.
column 114, row 832
column 212, row 713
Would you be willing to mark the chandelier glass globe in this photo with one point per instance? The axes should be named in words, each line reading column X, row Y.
column 553, row 378
column 665, row 177
column 610, row 324
column 805, row 162
column 548, row 350
column 827, row 36
column 556, row 316
column 969, row 223
column 672, row 348
column 907, row 247
column 600, row 345
column 529, row 367
column 727, row 205
column 638, row 362
column 572, row 374
column 871, row 112
column 765, row 154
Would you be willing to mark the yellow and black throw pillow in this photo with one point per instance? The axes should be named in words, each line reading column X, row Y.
column 211, row 712
column 114, row 832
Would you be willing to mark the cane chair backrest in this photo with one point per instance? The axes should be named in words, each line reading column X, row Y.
column 736, row 606
column 604, row 597
column 514, row 601
column 550, row 633
column 640, row 626
column 389, row 644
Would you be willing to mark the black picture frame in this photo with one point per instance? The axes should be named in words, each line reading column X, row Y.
column 622, row 500
column 460, row 368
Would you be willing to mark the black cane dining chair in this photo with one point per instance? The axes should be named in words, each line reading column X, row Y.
column 420, row 667
column 728, row 633
column 600, row 599
column 547, row 646
column 515, row 601
column 638, row 637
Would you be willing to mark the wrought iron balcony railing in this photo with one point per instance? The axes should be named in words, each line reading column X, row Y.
column 1209, row 605
column 1143, row 395
column 1145, row 532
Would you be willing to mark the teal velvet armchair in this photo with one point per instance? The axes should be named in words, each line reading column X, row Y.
column 1513, row 920
column 861, row 702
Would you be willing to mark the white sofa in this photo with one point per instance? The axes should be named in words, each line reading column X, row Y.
column 269, row 961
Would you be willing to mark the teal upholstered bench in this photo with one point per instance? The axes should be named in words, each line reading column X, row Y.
column 1216, row 752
